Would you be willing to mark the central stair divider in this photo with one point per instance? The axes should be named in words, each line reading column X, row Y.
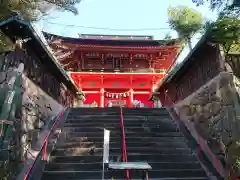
column 124, row 147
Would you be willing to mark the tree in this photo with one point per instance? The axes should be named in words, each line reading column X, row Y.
column 226, row 31
column 31, row 10
column 168, row 36
column 214, row 4
column 225, row 7
column 185, row 21
column 34, row 9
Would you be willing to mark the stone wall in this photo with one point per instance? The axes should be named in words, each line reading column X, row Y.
column 38, row 108
column 43, row 96
column 214, row 112
column 36, row 111
column 39, row 74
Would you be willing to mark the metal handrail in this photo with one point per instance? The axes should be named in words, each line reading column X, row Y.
column 43, row 147
column 124, row 148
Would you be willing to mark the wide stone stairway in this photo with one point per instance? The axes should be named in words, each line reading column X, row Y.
column 151, row 136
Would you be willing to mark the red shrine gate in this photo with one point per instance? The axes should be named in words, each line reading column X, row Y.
column 115, row 70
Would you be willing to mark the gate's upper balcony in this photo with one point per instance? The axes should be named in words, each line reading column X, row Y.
column 101, row 53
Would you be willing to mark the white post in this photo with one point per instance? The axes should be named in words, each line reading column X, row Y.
column 105, row 150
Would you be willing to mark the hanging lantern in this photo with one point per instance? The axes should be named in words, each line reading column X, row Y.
column 116, row 95
column 124, row 95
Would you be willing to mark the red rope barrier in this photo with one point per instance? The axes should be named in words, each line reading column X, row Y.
column 124, row 147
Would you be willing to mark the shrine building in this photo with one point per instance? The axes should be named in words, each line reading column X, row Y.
column 115, row 70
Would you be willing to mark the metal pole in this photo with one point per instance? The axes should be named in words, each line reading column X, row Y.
column 103, row 169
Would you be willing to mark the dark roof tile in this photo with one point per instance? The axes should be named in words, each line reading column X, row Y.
column 108, row 42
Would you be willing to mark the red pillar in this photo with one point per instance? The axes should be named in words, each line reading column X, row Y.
column 102, row 97
column 131, row 98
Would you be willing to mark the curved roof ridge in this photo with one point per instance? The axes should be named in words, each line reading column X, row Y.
column 113, row 42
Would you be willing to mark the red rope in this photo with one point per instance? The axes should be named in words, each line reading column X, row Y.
column 124, row 147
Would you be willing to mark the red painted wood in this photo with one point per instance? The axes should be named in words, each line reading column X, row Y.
column 94, row 57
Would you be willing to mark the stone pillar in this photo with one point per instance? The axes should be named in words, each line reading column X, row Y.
column 157, row 103
column 102, row 97
column 78, row 100
column 153, row 87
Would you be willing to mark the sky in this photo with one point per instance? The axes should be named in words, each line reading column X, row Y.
column 117, row 17
column 120, row 17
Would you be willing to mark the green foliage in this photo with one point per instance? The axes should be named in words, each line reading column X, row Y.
column 226, row 31
column 214, row 4
column 226, row 7
column 30, row 10
column 34, row 9
column 185, row 20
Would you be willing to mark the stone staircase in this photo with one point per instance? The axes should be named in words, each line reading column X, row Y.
column 151, row 136
column 78, row 154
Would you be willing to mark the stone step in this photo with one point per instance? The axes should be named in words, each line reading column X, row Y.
column 171, row 173
column 99, row 113
column 127, row 122
column 91, row 134
column 145, row 110
column 128, row 139
column 143, row 150
column 112, row 144
column 119, row 133
column 77, row 127
column 117, row 116
column 146, row 114
column 98, row 166
column 164, row 178
column 134, row 157
column 95, row 117
column 73, row 128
